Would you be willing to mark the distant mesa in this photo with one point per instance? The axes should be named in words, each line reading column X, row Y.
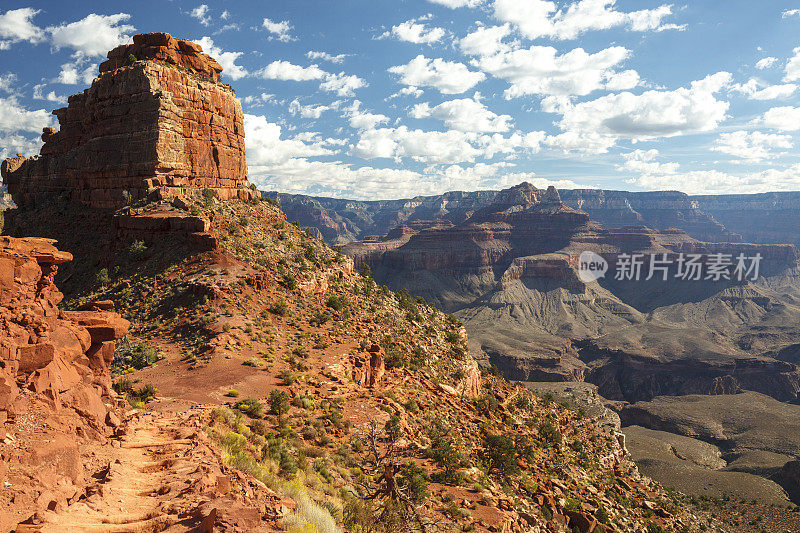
column 155, row 123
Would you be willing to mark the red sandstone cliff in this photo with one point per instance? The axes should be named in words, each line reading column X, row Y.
column 156, row 121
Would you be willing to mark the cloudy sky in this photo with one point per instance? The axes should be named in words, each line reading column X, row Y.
column 393, row 98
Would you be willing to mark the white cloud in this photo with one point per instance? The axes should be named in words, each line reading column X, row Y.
column 7, row 82
column 466, row 114
column 413, row 32
column 453, row 4
column 785, row 118
column 258, row 100
column 201, row 14
column 540, row 70
column 225, row 15
column 226, row 59
column 542, row 18
column 752, row 146
column 766, row 63
column 286, row 71
column 363, row 120
column 792, row 69
column 38, row 94
column 342, row 84
column 790, row 13
column 446, row 76
column 307, row 111
column 654, row 175
column 758, row 90
column 486, row 40
column 407, row 91
column 79, row 71
column 279, row 30
column 441, row 147
column 649, row 115
column 266, row 147
column 16, row 122
column 312, row 55
column 14, row 117
column 17, row 25
column 93, row 35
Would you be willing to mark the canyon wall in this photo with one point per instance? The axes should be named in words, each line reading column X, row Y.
column 156, row 121
column 758, row 218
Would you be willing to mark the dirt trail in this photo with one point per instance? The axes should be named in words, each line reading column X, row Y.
column 162, row 475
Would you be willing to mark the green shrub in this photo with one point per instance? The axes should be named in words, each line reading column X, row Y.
column 335, row 302
column 233, row 393
column 250, row 406
column 549, row 433
column 278, row 403
column 500, row 454
column 287, row 377
column 102, row 277
column 136, row 251
column 279, row 308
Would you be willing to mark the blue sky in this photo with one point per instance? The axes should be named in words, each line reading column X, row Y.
column 389, row 99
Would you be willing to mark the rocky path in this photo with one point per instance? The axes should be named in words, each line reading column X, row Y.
column 162, row 475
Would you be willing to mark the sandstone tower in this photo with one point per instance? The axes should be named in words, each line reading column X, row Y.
column 156, row 122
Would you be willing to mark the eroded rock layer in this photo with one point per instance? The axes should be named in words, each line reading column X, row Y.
column 155, row 121
column 55, row 389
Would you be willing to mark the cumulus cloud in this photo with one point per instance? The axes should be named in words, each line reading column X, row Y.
column 790, row 13
column 752, row 146
column 446, row 76
column 307, row 111
column 17, row 25
column 339, row 58
column 226, row 59
column 486, row 40
column 258, row 100
column 342, row 84
column 79, row 71
column 440, row 147
column 765, row 63
column 17, row 124
column 413, row 31
column 784, row 118
column 466, row 114
column 540, row 70
column 363, row 120
column 453, row 4
column 755, row 89
column 792, row 69
column 38, row 94
column 649, row 115
column 535, row 19
column 93, row 35
column 287, row 71
column 654, row 175
column 280, row 31
column 201, row 14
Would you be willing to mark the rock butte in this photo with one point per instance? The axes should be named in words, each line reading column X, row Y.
column 156, row 122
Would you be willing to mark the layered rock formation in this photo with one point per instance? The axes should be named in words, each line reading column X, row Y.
column 156, row 121
column 511, row 273
column 763, row 218
column 55, row 389
column 758, row 218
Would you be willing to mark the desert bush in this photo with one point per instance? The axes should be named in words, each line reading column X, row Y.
column 249, row 406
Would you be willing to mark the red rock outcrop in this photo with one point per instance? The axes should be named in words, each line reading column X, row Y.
column 156, row 121
column 55, row 389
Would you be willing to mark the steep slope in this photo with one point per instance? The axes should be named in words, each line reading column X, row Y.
column 274, row 313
